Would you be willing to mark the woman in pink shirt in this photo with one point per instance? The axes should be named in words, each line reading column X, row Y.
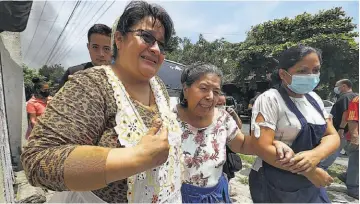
column 37, row 104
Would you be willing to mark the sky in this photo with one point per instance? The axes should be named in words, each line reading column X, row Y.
column 214, row 19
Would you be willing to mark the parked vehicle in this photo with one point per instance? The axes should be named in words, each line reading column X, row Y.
column 328, row 105
column 230, row 102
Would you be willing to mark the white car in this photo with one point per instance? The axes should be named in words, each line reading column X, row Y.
column 328, row 105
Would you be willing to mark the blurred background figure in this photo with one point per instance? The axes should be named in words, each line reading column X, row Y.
column 35, row 107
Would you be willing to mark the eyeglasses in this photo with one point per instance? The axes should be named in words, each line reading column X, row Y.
column 149, row 39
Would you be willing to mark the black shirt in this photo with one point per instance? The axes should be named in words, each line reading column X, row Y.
column 340, row 106
column 72, row 70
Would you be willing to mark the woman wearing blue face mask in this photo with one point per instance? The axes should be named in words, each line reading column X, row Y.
column 295, row 115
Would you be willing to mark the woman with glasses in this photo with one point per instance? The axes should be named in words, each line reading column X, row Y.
column 294, row 114
column 109, row 134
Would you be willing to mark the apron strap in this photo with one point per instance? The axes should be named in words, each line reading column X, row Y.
column 314, row 104
column 292, row 107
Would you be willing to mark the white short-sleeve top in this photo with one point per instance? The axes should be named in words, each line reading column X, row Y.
column 283, row 121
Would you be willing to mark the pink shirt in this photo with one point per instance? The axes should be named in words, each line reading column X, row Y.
column 36, row 106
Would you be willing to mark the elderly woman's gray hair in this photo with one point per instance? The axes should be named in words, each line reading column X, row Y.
column 194, row 72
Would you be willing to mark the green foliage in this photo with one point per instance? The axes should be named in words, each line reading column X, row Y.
column 51, row 74
column 247, row 158
column 335, row 170
column 253, row 60
column 216, row 52
column 331, row 31
column 244, row 180
column 29, row 74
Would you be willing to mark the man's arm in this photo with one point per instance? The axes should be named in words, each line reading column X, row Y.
column 340, row 117
column 343, row 124
column 64, row 79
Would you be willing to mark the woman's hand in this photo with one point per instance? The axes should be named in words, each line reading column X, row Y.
column 304, row 161
column 154, row 147
column 152, row 151
column 319, row 177
column 283, row 152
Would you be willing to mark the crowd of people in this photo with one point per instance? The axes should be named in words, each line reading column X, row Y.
column 109, row 134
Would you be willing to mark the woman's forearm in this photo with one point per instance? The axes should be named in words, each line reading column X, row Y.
column 269, row 155
column 91, row 167
column 327, row 146
column 122, row 163
column 329, row 143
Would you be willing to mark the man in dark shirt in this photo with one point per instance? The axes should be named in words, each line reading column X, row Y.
column 99, row 40
column 343, row 88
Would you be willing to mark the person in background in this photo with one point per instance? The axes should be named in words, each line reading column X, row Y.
column 343, row 88
column 207, row 131
column 222, row 101
column 109, row 135
column 294, row 114
column 99, row 46
column 351, row 177
column 35, row 107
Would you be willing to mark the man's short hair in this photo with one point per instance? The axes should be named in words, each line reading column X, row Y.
column 99, row 29
column 347, row 82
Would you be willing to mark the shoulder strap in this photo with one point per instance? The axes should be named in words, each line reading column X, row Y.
column 315, row 104
column 292, row 107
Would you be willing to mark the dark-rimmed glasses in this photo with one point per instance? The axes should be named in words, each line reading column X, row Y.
column 149, row 39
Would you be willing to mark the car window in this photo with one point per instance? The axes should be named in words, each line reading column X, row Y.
column 327, row 103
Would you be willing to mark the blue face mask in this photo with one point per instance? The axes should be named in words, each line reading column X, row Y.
column 304, row 83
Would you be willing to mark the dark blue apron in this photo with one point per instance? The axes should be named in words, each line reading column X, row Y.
column 283, row 186
column 216, row 194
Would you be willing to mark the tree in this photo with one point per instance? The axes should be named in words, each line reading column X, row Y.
column 29, row 74
column 174, row 42
column 331, row 31
column 216, row 52
column 52, row 73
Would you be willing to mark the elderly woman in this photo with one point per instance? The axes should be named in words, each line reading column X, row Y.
column 206, row 132
column 96, row 142
column 294, row 114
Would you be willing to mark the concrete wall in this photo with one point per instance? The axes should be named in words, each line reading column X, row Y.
column 14, row 93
